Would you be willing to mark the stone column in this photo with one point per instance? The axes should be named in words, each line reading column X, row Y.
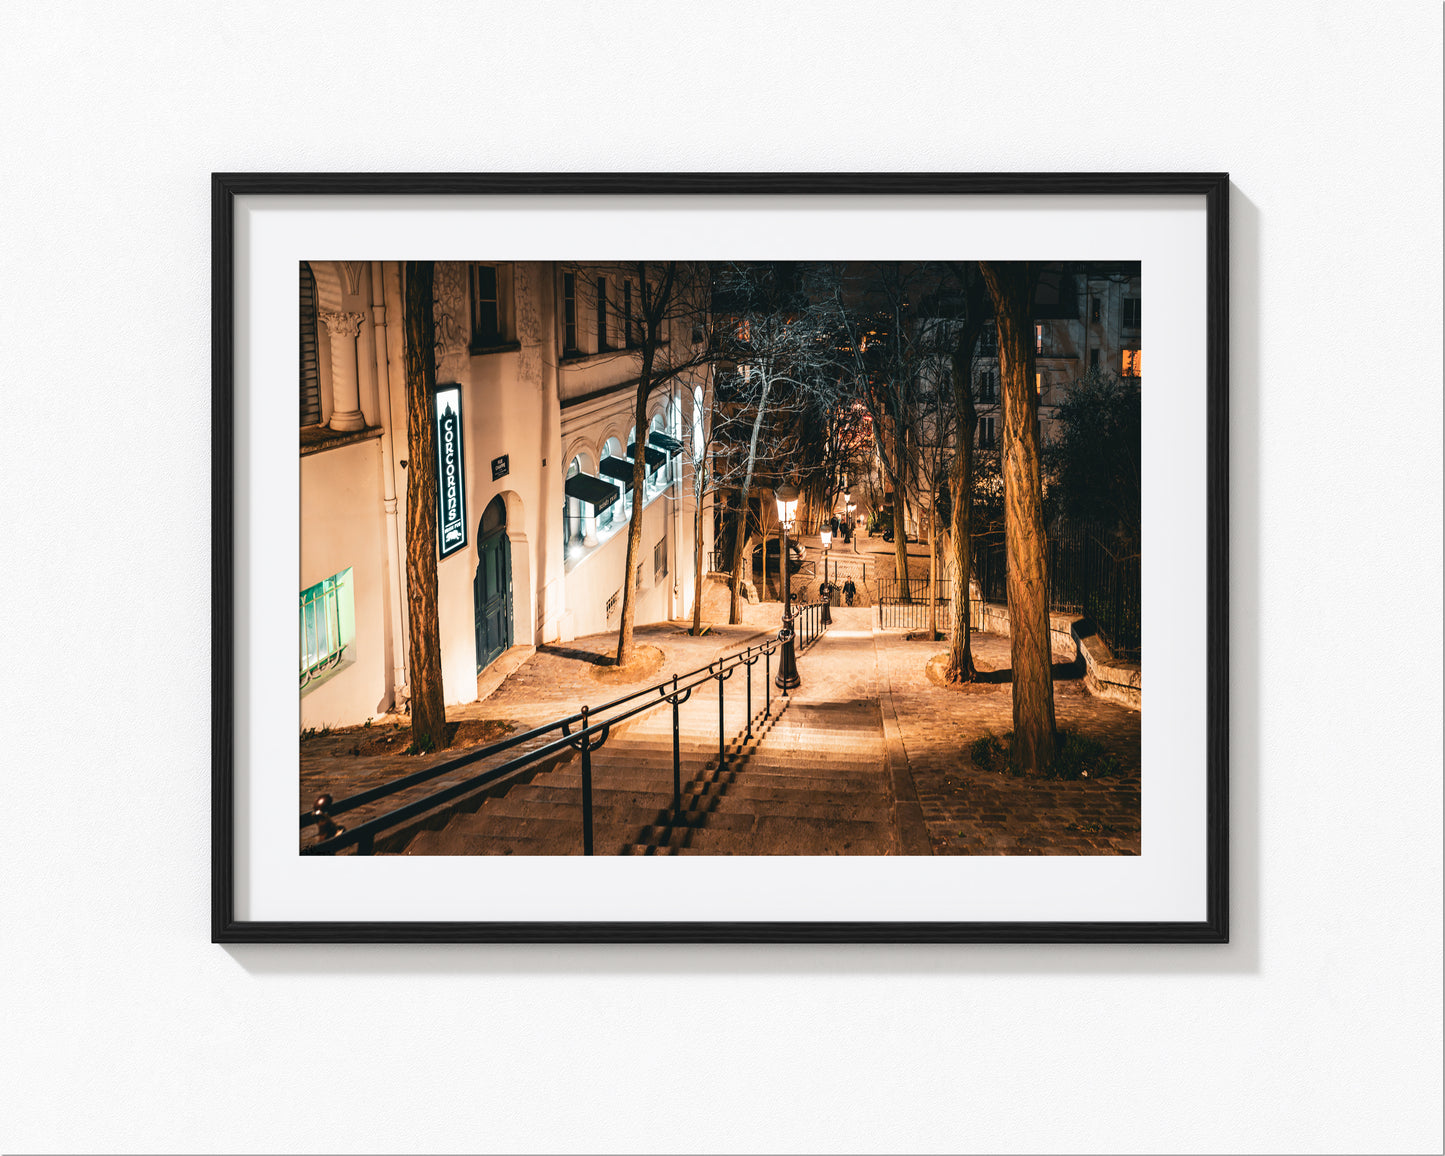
column 345, row 386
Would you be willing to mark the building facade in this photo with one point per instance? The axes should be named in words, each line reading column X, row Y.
column 535, row 421
column 1086, row 318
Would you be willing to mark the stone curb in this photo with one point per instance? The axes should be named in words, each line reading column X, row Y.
column 912, row 830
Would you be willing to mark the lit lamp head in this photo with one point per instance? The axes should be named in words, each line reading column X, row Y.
column 827, row 536
column 787, row 497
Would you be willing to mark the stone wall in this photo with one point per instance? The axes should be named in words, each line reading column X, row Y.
column 1105, row 676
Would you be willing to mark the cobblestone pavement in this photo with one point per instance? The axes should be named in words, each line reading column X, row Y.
column 971, row 811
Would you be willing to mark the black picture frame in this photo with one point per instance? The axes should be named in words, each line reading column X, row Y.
column 226, row 187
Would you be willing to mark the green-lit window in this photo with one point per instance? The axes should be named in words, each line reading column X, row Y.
column 328, row 625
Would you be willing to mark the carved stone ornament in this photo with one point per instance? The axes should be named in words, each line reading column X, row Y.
column 449, row 307
column 341, row 324
column 353, row 276
column 529, row 325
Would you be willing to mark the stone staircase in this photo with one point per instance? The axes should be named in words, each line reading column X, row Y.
column 810, row 780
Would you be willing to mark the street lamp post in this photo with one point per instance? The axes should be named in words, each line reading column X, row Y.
column 787, row 678
column 852, row 529
column 827, row 587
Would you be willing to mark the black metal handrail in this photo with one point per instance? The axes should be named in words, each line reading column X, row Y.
column 590, row 734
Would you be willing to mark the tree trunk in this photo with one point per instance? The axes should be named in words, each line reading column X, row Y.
column 900, row 518
column 740, row 545
column 1010, row 285
column 900, row 548
column 428, row 705
column 735, row 610
column 960, row 648
column 634, row 527
column 700, row 492
column 932, row 573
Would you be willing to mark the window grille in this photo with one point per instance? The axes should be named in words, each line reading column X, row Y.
column 327, row 625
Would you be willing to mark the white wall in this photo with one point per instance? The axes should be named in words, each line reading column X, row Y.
column 341, row 508
column 1317, row 1029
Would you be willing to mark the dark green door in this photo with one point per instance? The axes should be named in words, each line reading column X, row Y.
column 492, row 587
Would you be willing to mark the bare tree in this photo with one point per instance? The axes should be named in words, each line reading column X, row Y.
column 428, row 704
column 1010, row 285
column 773, row 336
column 661, row 322
column 884, row 342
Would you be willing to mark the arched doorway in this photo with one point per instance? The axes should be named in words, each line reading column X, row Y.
column 492, row 587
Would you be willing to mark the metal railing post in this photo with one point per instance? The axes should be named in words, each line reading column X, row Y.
column 586, row 787
column 676, row 752
column 750, row 698
column 722, row 758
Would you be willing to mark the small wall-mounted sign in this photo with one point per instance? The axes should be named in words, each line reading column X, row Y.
column 501, row 467
column 451, row 474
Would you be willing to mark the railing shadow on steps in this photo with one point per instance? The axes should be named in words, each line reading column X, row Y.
column 582, row 732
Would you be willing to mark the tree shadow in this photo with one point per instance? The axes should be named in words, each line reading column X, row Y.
column 592, row 658
column 1061, row 671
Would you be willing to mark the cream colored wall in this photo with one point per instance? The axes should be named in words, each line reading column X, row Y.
column 341, row 519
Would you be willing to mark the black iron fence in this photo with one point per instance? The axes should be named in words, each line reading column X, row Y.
column 1091, row 572
column 893, row 589
column 582, row 732
column 914, row 615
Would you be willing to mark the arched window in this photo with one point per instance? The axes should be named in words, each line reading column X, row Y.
column 616, row 513
column 571, row 513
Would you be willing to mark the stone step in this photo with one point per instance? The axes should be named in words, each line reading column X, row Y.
column 788, row 835
column 648, row 806
column 640, row 779
column 806, row 761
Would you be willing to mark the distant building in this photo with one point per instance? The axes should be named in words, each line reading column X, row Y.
column 1086, row 317
column 535, row 412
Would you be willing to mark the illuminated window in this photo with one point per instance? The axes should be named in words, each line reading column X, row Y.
column 1038, row 338
column 1093, row 309
column 1133, row 363
column 328, row 625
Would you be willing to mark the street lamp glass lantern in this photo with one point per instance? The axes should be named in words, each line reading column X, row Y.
column 787, row 504
column 827, row 536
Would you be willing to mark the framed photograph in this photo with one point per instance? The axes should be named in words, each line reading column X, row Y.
column 720, row 557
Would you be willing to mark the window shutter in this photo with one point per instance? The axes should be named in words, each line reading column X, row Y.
column 310, row 363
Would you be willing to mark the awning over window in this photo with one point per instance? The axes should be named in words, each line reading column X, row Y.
column 656, row 459
column 594, row 491
column 663, row 442
column 619, row 468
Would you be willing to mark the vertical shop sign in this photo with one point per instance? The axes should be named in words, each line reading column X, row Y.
column 451, row 479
